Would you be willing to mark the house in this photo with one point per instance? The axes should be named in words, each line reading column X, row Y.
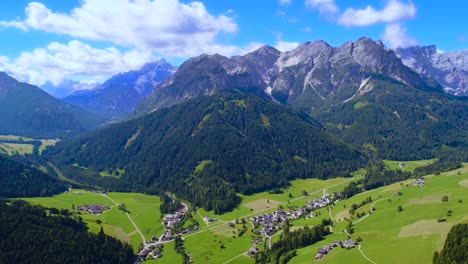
column 319, row 256
column 419, row 182
column 348, row 243
column 253, row 251
column 324, row 250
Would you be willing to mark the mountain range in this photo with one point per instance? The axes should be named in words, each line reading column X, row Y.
column 117, row 97
column 66, row 87
column 361, row 91
column 29, row 111
column 450, row 69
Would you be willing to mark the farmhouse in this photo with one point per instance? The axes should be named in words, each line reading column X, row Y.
column 349, row 243
column 94, row 209
column 419, row 182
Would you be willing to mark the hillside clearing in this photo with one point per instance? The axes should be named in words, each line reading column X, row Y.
column 425, row 228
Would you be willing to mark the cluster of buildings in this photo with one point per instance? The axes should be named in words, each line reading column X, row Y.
column 94, row 209
column 322, row 202
column 321, row 252
column 271, row 222
column 170, row 220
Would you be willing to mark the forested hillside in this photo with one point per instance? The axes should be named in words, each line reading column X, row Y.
column 26, row 110
column 398, row 122
column 19, row 180
column 456, row 247
column 208, row 149
column 28, row 234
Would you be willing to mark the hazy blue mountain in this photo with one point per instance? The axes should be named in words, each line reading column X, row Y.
column 118, row 96
column 27, row 110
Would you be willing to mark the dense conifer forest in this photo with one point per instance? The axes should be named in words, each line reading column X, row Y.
column 20, row 180
column 455, row 250
column 29, row 234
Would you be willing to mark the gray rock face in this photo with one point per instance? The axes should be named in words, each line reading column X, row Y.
column 450, row 69
column 119, row 96
column 314, row 74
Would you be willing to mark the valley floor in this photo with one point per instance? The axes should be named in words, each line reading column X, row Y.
column 389, row 235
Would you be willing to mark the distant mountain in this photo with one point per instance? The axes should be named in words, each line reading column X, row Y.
column 361, row 91
column 19, row 180
column 26, row 110
column 450, row 69
column 118, row 96
column 207, row 149
column 66, row 88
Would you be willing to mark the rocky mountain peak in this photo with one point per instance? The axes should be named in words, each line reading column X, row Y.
column 450, row 69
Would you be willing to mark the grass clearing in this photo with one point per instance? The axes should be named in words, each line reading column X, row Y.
column 409, row 236
column 407, row 165
column 464, row 183
column 14, row 137
column 262, row 204
column 16, row 148
column 144, row 210
column 434, row 198
column 425, row 228
column 46, row 143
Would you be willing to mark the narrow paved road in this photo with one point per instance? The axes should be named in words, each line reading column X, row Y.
column 129, row 217
column 364, row 255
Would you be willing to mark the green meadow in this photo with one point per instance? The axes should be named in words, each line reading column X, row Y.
column 144, row 210
column 407, row 165
column 389, row 235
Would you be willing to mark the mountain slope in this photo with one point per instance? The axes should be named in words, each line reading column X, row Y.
column 33, row 234
column 29, row 111
column 333, row 84
column 401, row 123
column 450, row 69
column 19, row 180
column 118, row 96
column 207, row 149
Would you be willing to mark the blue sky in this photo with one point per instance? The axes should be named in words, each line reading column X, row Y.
column 89, row 40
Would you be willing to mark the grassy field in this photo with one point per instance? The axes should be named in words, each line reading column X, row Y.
column 13, row 137
column 23, row 147
column 46, row 143
column 409, row 236
column 16, row 148
column 407, row 165
column 144, row 210
column 389, row 236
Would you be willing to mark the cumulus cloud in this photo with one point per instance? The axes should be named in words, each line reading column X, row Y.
column 286, row 46
column 395, row 36
column 169, row 27
column 327, row 7
column 58, row 60
column 394, row 11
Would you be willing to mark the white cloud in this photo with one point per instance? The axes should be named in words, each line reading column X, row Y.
column 285, row 2
column 394, row 11
column 168, row 27
column 307, row 29
column 326, row 7
column 57, row 61
column 286, row 46
column 395, row 36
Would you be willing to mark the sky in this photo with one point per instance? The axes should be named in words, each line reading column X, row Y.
column 90, row 40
